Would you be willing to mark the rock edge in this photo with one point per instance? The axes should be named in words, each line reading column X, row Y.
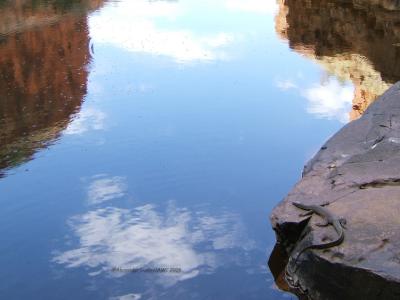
column 357, row 172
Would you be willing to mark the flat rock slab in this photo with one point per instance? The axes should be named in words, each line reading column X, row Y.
column 358, row 173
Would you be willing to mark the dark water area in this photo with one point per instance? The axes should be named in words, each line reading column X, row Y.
column 137, row 135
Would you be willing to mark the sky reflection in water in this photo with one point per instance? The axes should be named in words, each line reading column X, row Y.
column 196, row 121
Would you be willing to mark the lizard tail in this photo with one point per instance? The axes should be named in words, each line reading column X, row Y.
column 318, row 246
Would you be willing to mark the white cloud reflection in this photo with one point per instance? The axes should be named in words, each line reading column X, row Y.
column 103, row 188
column 132, row 25
column 86, row 120
column 286, row 84
column 115, row 237
column 127, row 297
column 331, row 100
column 253, row 6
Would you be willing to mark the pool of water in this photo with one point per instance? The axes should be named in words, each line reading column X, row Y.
column 144, row 144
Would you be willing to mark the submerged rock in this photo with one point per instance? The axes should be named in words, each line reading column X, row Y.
column 358, row 173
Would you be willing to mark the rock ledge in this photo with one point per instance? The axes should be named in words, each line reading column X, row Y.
column 358, row 173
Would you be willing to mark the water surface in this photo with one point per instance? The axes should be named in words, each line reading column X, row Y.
column 146, row 134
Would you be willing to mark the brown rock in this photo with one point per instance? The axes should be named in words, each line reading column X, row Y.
column 363, row 187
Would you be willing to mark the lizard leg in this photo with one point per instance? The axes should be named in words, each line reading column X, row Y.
column 306, row 214
column 343, row 222
column 324, row 224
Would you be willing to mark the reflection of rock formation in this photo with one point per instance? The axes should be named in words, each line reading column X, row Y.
column 357, row 41
column 43, row 59
column 19, row 15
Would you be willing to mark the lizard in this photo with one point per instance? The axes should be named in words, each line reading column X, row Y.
column 329, row 219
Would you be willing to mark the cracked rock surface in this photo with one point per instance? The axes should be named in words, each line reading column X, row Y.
column 358, row 173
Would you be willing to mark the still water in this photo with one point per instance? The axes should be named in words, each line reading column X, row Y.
column 148, row 134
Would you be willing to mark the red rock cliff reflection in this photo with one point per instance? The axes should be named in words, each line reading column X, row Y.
column 357, row 41
column 44, row 54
